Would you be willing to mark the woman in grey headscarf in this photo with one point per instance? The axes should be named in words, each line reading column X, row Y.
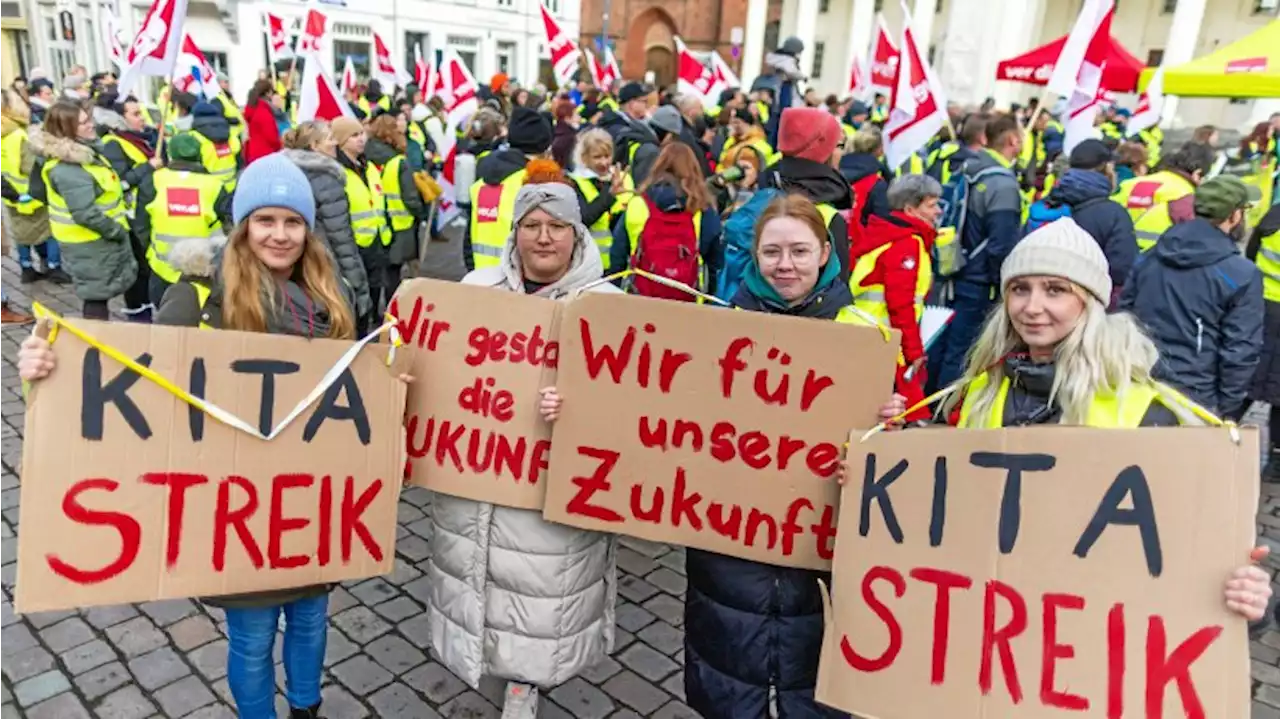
column 513, row 595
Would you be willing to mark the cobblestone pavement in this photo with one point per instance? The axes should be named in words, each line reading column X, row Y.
column 168, row 659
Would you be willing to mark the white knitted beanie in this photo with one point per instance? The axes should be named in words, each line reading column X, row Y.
column 1060, row 249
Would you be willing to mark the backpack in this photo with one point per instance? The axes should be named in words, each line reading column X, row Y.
column 861, row 197
column 951, row 257
column 667, row 247
column 1043, row 213
column 738, row 235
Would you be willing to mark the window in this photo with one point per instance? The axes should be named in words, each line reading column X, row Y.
column 1155, row 57
column 937, row 10
column 412, row 40
column 359, row 52
column 467, row 48
column 1169, row 6
column 824, row 6
column 771, row 32
column 553, row 6
column 819, row 53
column 506, row 3
column 879, row 5
column 10, row 8
column 217, row 60
column 62, row 54
column 1265, row 7
column 507, row 58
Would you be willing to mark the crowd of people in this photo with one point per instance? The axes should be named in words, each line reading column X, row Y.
column 1104, row 287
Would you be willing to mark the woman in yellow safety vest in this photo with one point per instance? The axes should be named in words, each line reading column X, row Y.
column 274, row 277
column 87, row 211
column 603, row 189
column 386, row 153
column 1050, row 354
column 368, row 209
column 27, row 221
column 743, row 130
column 1264, row 249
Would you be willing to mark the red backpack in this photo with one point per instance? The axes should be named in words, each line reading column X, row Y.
column 668, row 247
column 861, row 197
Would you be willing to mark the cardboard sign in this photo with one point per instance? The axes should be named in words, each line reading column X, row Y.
column 472, row 423
column 129, row 494
column 1042, row 572
column 712, row 428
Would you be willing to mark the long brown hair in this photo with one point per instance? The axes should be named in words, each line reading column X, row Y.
column 384, row 128
column 63, row 119
column 249, row 290
column 677, row 164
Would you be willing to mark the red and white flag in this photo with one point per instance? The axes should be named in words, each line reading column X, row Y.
column 918, row 108
column 564, row 53
column 349, row 81
column 277, row 38
column 423, row 77
column 693, row 77
column 1150, row 105
column 319, row 99
column 1066, row 71
column 110, row 29
column 192, row 72
column 1087, row 92
column 612, row 63
column 384, row 68
column 600, row 73
column 859, row 83
column 884, row 58
column 313, row 32
column 154, row 50
column 460, row 103
column 722, row 77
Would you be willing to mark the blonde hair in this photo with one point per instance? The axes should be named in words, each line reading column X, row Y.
column 589, row 143
column 249, row 290
column 1103, row 354
column 306, row 135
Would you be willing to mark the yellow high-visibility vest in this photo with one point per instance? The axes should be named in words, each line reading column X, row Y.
column 870, row 298
column 110, row 202
column 600, row 231
column 368, row 207
column 1268, row 261
column 1107, row 411
column 219, row 159
column 1140, row 194
column 398, row 214
column 493, row 210
column 759, row 144
column 202, row 299
column 183, row 208
column 417, row 135
column 384, row 102
column 11, row 169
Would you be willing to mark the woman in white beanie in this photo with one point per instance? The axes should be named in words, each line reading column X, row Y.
column 1050, row 354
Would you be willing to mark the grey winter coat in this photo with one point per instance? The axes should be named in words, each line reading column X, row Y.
column 105, row 267
column 333, row 221
column 1201, row 301
column 513, row 595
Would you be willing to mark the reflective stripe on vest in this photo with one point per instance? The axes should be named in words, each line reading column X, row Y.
column 202, row 298
column 183, row 208
column 110, row 202
column 11, row 168
column 493, row 209
column 398, row 214
column 1105, row 412
column 870, row 298
column 368, row 208
column 219, row 159
column 1268, row 260
column 135, row 157
column 600, row 230
column 1151, row 225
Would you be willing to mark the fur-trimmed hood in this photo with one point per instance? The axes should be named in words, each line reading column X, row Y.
column 64, row 149
column 198, row 256
column 316, row 163
column 108, row 120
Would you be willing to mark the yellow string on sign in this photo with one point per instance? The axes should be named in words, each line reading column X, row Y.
column 209, row 408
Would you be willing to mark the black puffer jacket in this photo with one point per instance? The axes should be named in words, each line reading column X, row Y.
column 1202, row 304
column 1088, row 194
column 333, row 221
column 822, row 185
column 752, row 628
column 627, row 133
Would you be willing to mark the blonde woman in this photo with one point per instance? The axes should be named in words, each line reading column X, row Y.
column 1050, row 354
column 600, row 186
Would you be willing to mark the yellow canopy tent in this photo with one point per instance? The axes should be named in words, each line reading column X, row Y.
column 1248, row 67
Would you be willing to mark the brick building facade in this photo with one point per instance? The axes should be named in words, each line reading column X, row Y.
column 643, row 31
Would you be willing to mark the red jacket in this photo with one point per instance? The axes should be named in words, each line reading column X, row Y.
column 264, row 135
column 897, row 268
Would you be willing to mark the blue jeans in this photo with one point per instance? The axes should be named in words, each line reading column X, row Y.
column 251, row 634
column 52, row 258
column 972, row 303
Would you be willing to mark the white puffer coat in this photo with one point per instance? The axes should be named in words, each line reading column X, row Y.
column 512, row 595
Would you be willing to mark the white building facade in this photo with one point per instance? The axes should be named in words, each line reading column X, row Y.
column 491, row 36
column 968, row 38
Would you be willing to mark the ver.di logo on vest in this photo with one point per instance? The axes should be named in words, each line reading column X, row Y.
column 223, row 149
column 487, row 201
column 182, row 201
column 1143, row 195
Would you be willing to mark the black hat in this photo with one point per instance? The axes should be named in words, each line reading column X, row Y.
column 1090, row 155
column 529, row 131
column 742, row 113
column 631, row 91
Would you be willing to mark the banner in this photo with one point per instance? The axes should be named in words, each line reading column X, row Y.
column 319, row 98
column 277, row 38
column 154, row 50
column 1041, row 572
column 564, row 52
column 131, row 495
column 384, row 69
column 884, row 59
column 917, row 107
column 472, row 420
column 692, row 76
column 710, row 428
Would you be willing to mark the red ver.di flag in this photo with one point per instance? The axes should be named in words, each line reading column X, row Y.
column 192, row 73
column 918, row 108
column 313, row 32
column 884, row 58
column 277, row 40
column 693, row 76
column 319, row 99
column 564, row 53
column 154, row 50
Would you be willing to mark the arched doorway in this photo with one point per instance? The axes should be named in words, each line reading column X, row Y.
column 651, row 46
column 662, row 62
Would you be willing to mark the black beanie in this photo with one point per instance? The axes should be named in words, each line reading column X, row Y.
column 529, row 131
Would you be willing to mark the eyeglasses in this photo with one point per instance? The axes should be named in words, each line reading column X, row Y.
column 556, row 229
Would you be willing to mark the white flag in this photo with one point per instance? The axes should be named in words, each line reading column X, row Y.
column 154, row 50
column 1150, row 105
column 918, row 108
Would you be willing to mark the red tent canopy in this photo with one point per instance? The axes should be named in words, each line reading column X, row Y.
column 1035, row 66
